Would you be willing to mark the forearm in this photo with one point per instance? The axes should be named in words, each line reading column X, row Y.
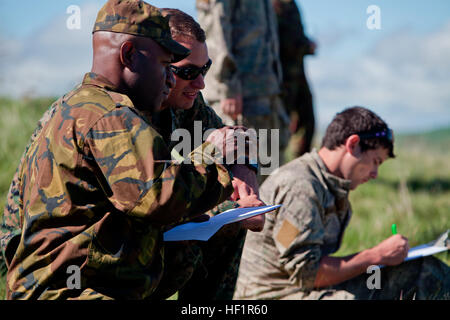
column 334, row 270
column 144, row 182
column 194, row 189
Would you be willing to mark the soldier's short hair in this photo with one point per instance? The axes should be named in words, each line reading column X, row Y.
column 373, row 131
column 183, row 25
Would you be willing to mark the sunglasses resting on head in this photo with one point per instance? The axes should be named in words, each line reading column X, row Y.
column 386, row 133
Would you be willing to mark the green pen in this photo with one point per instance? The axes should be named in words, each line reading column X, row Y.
column 394, row 229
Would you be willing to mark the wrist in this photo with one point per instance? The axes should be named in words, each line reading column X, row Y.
column 372, row 256
column 251, row 164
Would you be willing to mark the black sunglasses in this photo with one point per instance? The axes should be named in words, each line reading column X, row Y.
column 191, row 72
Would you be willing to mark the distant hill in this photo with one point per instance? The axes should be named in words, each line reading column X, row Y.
column 437, row 136
column 435, row 139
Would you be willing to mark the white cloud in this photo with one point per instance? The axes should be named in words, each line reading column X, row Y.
column 52, row 60
column 405, row 78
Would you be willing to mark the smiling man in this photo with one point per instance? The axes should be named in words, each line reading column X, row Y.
column 290, row 258
column 185, row 104
column 196, row 269
column 190, row 74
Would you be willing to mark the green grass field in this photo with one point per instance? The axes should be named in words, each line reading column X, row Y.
column 412, row 190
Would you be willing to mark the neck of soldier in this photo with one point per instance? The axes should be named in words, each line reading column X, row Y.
column 112, row 73
column 333, row 159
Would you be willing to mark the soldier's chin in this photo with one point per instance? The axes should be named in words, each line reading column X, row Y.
column 354, row 185
column 185, row 106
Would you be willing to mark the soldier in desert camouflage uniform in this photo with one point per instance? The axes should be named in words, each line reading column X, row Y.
column 244, row 81
column 290, row 258
column 296, row 94
column 88, row 174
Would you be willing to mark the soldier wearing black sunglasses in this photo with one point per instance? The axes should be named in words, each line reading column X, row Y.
column 191, row 72
column 186, row 263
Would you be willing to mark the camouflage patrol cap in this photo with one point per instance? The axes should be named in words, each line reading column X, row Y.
column 138, row 18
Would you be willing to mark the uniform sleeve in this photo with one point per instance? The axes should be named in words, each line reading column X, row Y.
column 222, row 207
column 298, row 235
column 215, row 17
column 140, row 179
column 11, row 226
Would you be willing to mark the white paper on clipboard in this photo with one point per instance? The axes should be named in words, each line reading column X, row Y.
column 441, row 244
column 205, row 230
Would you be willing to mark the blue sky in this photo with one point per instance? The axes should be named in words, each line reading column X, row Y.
column 401, row 71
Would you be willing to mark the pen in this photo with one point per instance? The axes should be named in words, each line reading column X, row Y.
column 394, row 229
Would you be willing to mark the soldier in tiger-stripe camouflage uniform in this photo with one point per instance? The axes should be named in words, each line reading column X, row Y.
column 89, row 174
column 11, row 227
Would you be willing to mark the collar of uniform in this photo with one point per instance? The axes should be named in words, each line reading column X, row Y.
column 338, row 185
column 94, row 79
column 185, row 115
column 97, row 80
column 188, row 115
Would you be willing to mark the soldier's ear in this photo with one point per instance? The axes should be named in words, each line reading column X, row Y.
column 352, row 144
column 126, row 54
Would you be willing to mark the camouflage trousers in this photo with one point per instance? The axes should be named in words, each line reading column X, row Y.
column 202, row 270
column 263, row 113
column 198, row 270
column 426, row 278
